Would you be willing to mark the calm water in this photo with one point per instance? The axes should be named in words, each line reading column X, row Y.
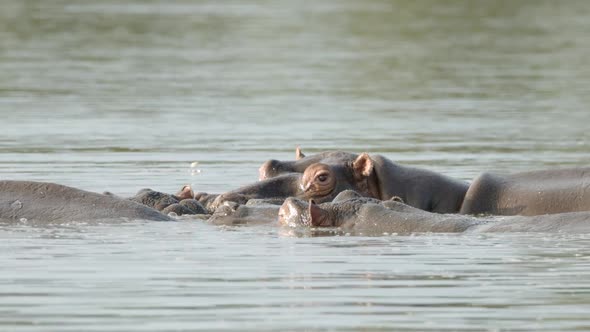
column 122, row 95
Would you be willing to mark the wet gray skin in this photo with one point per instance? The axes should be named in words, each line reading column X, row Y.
column 233, row 214
column 366, row 216
column 194, row 206
column 254, row 212
column 530, row 193
column 51, row 202
column 168, row 203
column 154, row 199
column 206, row 200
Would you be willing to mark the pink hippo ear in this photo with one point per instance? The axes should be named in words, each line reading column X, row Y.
column 298, row 153
column 362, row 166
column 316, row 214
column 185, row 192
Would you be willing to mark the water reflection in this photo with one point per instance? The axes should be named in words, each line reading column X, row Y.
column 344, row 282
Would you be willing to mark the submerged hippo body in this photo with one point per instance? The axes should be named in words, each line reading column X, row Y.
column 366, row 216
column 529, row 193
column 50, row 202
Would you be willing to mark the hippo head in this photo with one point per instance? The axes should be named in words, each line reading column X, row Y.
column 272, row 168
column 322, row 182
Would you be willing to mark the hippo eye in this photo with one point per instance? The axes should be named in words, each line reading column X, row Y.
column 322, row 177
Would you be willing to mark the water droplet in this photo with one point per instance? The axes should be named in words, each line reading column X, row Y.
column 194, row 169
column 16, row 205
column 23, row 220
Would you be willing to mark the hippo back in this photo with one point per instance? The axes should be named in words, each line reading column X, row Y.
column 50, row 202
column 529, row 193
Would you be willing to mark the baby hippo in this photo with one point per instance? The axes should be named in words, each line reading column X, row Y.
column 367, row 216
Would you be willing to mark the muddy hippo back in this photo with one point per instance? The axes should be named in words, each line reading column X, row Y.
column 50, row 202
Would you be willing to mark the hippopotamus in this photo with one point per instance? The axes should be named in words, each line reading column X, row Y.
column 368, row 216
column 50, row 202
column 321, row 177
column 322, row 181
column 326, row 174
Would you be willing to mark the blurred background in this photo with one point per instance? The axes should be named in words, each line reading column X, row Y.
column 120, row 95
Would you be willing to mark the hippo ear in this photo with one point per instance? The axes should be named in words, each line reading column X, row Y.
column 363, row 166
column 185, row 192
column 316, row 214
column 298, row 153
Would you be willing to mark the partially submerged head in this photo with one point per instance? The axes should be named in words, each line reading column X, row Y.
column 344, row 208
column 318, row 177
column 322, row 182
column 272, row 168
column 231, row 213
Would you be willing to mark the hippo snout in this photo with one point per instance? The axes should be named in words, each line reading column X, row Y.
column 294, row 213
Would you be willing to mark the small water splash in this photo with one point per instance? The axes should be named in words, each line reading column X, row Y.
column 194, row 169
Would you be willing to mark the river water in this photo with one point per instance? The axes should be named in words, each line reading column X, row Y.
column 122, row 95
